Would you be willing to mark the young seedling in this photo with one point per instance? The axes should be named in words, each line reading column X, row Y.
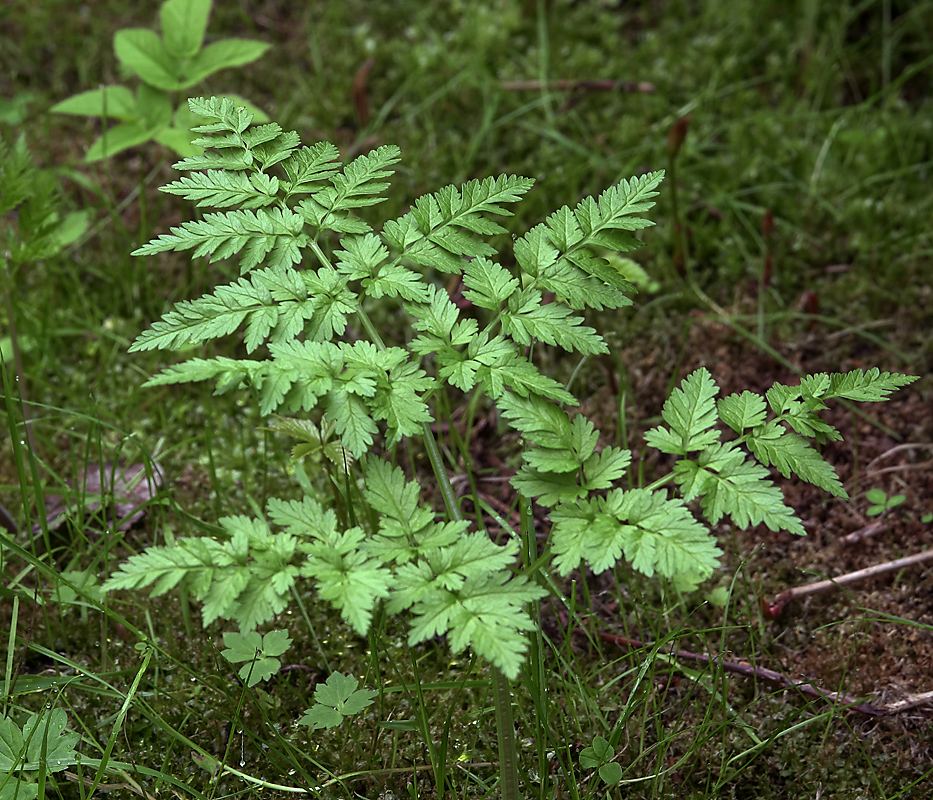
column 311, row 273
column 174, row 62
column 261, row 653
column 28, row 754
column 599, row 757
column 335, row 700
column 881, row 503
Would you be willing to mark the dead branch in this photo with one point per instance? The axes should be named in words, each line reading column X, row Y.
column 750, row 671
column 862, row 533
column 788, row 595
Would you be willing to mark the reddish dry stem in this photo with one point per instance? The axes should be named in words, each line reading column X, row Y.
column 758, row 672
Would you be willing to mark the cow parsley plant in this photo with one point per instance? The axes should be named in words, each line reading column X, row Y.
column 312, row 268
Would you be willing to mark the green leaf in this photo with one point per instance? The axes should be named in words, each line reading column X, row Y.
column 792, row 455
column 273, row 304
column 485, row 612
column 260, row 651
column 599, row 753
column 654, row 533
column 335, row 700
column 277, row 233
column 117, row 139
column 109, row 102
column 526, row 319
column 220, row 55
column 547, row 488
column 542, row 423
column 153, row 108
column 222, row 189
column 611, row 773
column 360, row 180
column 22, row 749
column 178, row 140
column 691, row 413
column 871, row 386
column 346, row 577
column 489, row 284
column 741, row 411
column 728, row 484
column 144, row 53
column 310, row 166
column 602, row 469
column 183, row 26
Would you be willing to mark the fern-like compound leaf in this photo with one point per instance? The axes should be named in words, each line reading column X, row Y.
column 276, row 233
column 274, row 304
column 741, row 411
column 655, row 534
column 690, row 413
column 361, row 181
column 547, row 488
column 728, row 484
column 489, row 284
column 872, row 386
column 222, row 189
column 486, row 613
column 527, row 319
column 310, row 167
column 792, row 455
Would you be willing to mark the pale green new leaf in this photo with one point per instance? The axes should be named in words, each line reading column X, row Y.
column 691, row 413
column 347, row 578
column 741, row 411
column 872, row 386
column 728, row 484
column 526, row 319
column 792, row 455
column 222, row 189
column 273, row 233
column 655, row 534
column 486, row 613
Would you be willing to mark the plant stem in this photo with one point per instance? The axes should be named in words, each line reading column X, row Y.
column 505, row 728
column 501, row 692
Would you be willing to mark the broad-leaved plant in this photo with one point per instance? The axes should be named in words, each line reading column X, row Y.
column 174, row 62
column 312, row 268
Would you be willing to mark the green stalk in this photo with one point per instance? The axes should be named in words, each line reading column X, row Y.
column 505, row 728
column 501, row 692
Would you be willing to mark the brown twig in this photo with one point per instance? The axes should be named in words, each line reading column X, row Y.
column 862, row 533
column 761, row 673
column 361, row 92
column 788, row 595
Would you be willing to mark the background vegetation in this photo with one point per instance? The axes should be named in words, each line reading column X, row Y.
column 800, row 240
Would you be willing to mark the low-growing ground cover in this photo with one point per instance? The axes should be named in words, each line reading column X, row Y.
column 818, row 124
